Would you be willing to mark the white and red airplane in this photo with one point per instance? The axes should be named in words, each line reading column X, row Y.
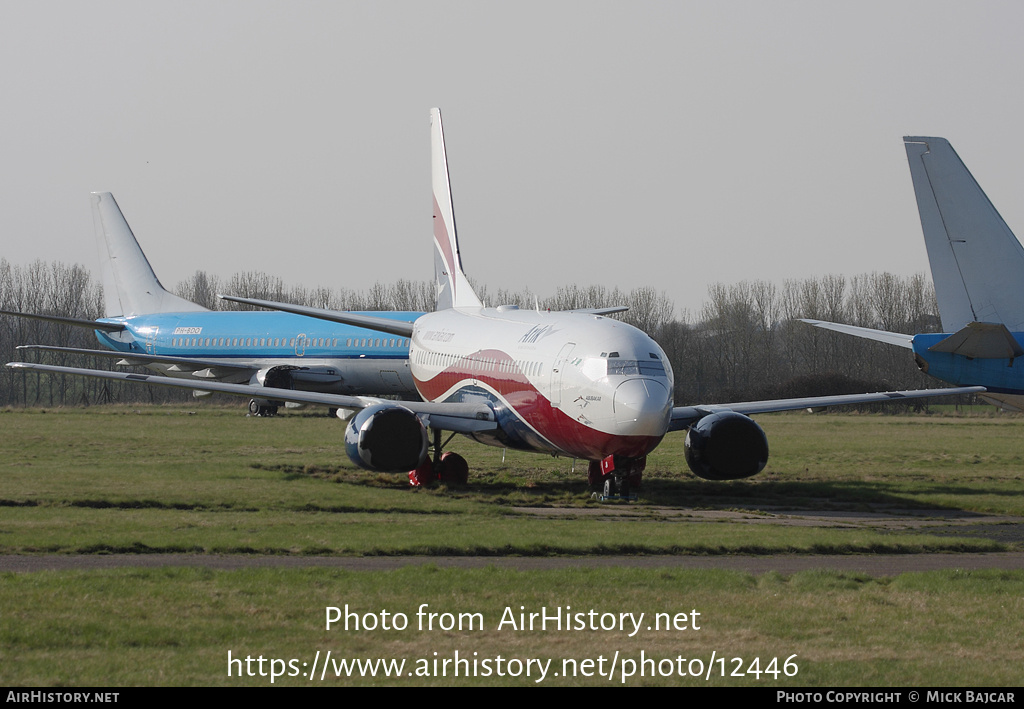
column 573, row 383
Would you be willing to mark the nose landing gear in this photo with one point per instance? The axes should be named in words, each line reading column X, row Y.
column 618, row 484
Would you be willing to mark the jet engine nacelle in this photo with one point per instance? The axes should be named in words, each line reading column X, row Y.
column 279, row 377
column 726, row 446
column 285, row 376
column 386, row 438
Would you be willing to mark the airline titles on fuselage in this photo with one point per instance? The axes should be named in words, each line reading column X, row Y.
column 438, row 336
column 535, row 333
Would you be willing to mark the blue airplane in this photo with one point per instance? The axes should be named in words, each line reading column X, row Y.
column 145, row 325
column 977, row 266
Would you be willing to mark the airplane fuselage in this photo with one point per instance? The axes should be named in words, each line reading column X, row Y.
column 997, row 375
column 320, row 356
column 565, row 383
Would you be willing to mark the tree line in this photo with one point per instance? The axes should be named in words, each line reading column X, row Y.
column 744, row 343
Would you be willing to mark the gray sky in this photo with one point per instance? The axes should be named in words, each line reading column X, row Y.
column 672, row 144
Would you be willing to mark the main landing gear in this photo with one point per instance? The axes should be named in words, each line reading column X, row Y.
column 448, row 467
column 262, row 407
column 618, row 484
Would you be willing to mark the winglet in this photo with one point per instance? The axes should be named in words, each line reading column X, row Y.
column 129, row 285
column 977, row 263
column 453, row 289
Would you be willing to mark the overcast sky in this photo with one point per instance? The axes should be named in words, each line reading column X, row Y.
column 672, row 144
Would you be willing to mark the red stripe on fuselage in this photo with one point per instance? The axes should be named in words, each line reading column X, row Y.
column 498, row 371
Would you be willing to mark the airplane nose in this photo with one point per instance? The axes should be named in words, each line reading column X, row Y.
column 641, row 407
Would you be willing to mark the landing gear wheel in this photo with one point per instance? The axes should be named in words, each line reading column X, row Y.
column 258, row 407
column 610, row 487
column 626, row 476
column 423, row 475
column 453, row 469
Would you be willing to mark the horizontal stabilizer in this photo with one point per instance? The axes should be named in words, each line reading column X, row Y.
column 981, row 340
column 76, row 322
column 392, row 327
column 892, row 338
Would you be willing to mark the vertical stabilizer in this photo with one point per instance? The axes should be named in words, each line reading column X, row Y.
column 129, row 285
column 977, row 263
column 453, row 289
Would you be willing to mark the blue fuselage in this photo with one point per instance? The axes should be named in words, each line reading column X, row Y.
column 998, row 375
column 320, row 355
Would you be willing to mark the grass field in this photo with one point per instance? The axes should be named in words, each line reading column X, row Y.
column 210, row 480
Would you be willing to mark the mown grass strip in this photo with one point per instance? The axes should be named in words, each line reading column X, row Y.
column 176, row 626
column 213, row 481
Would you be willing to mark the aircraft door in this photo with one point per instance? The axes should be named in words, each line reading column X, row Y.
column 300, row 345
column 390, row 379
column 556, row 373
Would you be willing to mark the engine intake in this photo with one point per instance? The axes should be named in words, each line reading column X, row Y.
column 279, row 377
column 726, row 446
column 386, row 438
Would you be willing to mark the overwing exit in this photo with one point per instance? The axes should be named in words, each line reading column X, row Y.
column 977, row 267
column 565, row 383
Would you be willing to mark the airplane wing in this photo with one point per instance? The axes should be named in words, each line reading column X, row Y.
column 77, row 322
column 402, row 329
column 892, row 338
column 206, row 368
column 468, row 417
column 684, row 416
column 392, row 327
column 473, row 417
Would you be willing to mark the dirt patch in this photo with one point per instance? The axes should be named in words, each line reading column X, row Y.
column 943, row 522
column 872, row 564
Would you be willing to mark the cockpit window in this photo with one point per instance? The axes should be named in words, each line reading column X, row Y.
column 595, row 368
column 650, row 368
